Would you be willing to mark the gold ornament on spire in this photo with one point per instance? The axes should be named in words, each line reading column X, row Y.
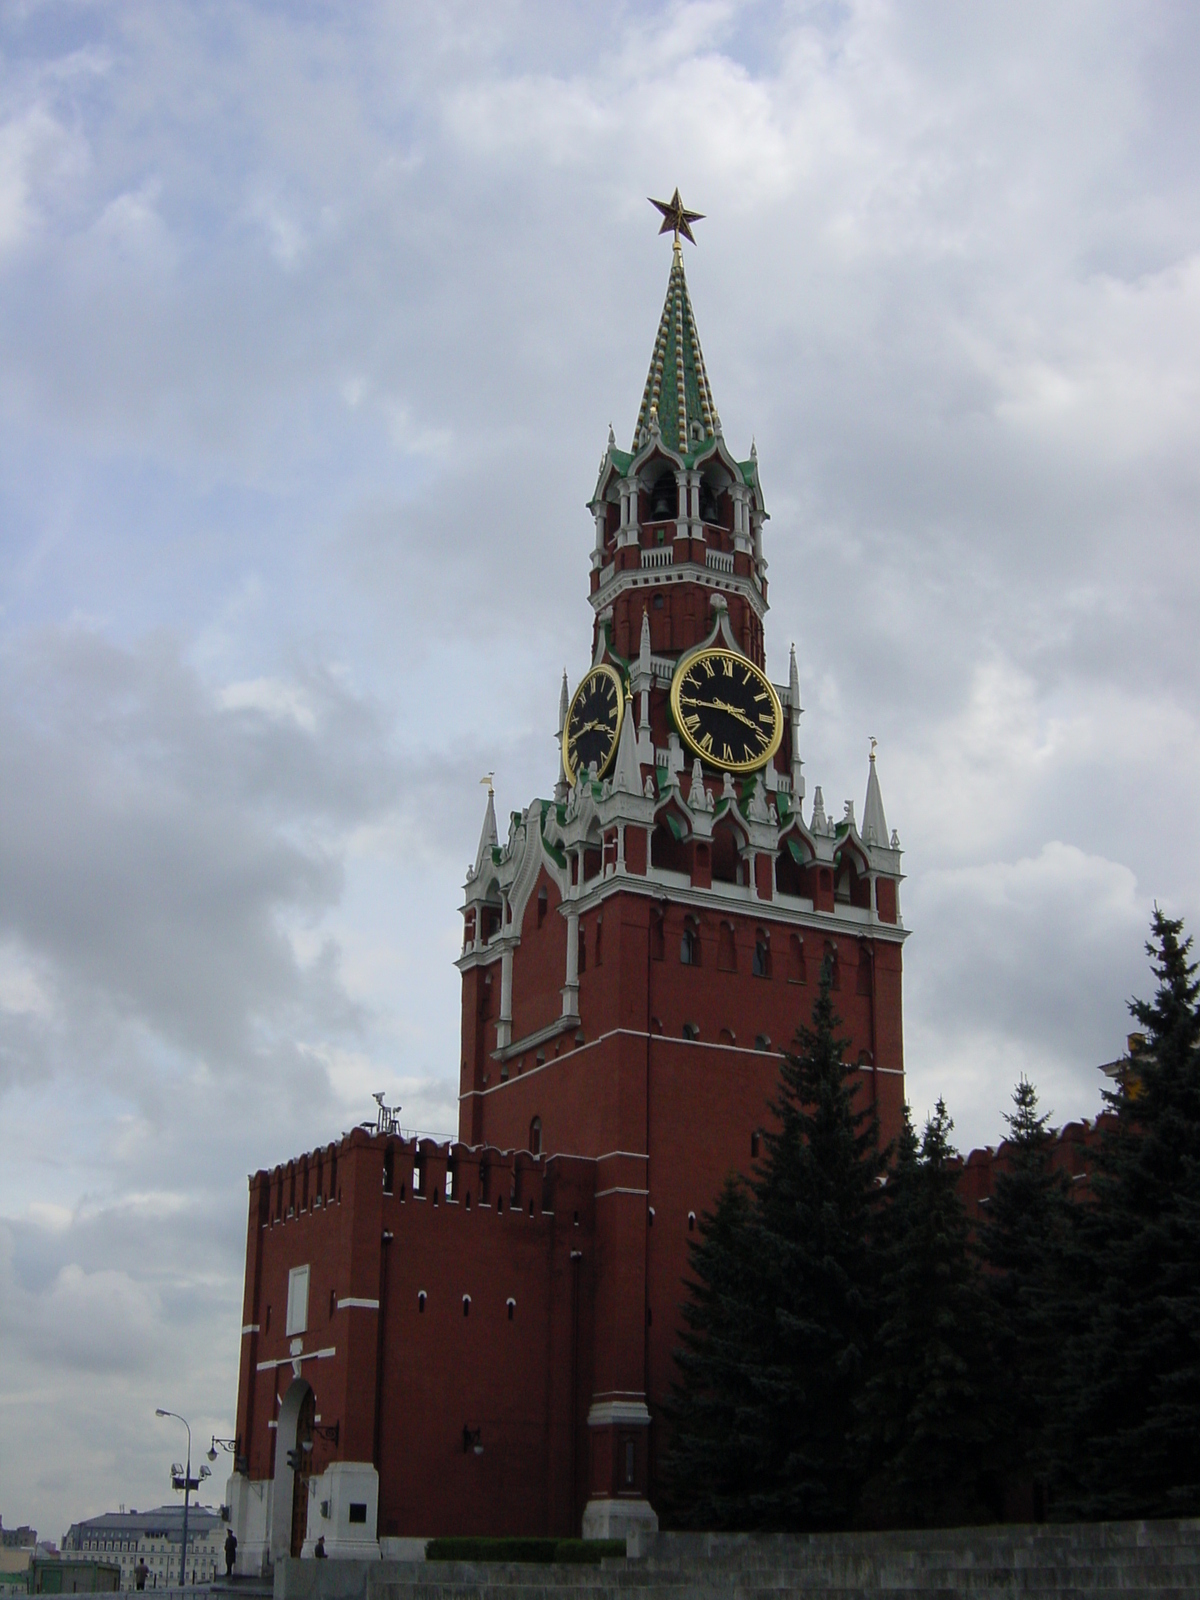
column 677, row 218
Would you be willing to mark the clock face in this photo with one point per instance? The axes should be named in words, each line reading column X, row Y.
column 593, row 723
column 726, row 711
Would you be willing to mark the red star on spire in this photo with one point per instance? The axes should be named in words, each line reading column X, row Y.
column 677, row 218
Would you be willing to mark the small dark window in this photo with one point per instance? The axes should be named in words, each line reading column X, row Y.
column 582, row 965
column 467, row 1201
column 753, row 1146
column 689, row 952
column 577, row 1219
column 726, row 948
column 762, row 955
column 629, row 1459
column 332, row 1301
column 512, row 1306
column 690, row 1031
column 421, row 1301
column 658, row 599
column 599, row 939
column 358, row 1511
column 466, row 1305
column 762, row 1041
column 389, row 1167
column 542, row 901
column 499, row 1204
column 691, row 1222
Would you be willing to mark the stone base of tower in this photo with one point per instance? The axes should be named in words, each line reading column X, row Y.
column 617, row 1519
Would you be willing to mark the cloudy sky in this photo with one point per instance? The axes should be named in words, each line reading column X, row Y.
column 312, row 323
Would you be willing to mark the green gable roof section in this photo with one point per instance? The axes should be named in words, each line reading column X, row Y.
column 677, row 391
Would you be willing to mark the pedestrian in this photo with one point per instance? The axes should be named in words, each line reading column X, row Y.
column 319, row 1549
column 230, row 1552
column 141, row 1572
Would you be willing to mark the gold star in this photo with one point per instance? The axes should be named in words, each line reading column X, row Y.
column 676, row 218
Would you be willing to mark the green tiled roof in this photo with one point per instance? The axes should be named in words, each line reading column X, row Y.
column 677, row 388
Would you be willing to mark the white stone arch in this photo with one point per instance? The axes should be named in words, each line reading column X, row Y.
column 285, row 1439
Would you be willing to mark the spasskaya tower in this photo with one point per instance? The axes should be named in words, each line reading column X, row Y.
column 639, row 947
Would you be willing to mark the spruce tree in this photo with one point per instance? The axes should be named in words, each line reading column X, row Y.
column 779, row 1311
column 1025, row 1240
column 1131, row 1444
column 928, row 1409
column 815, row 1196
column 715, row 1455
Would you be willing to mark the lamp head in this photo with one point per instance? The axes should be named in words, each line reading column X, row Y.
column 212, row 1452
column 159, row 1412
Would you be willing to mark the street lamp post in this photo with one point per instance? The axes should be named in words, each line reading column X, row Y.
column 187, row 1484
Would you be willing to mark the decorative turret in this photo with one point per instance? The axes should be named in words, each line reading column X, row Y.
column 875, row 829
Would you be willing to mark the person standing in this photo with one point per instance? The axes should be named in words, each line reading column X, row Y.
column 141, row 1572
column 230, row 1552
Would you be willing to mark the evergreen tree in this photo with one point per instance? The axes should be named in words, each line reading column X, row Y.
column 779, row 1312
column 928, row 1409
column 715, row 1455
column 815, row 1197
column 1024, row 1240
column 1131, row 1441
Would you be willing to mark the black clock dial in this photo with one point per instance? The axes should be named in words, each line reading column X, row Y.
column 593, row 723
column 726, row 711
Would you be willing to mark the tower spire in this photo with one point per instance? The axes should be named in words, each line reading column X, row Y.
column 677, row 391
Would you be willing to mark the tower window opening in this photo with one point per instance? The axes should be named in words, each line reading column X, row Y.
column 797, row 970
column 535, row 1136
column 542, row 902
column 658, row 599
column 762, row 955
column 629, row 1461
column 664, row 498
column 389, row 1164
column 691, row 1222
column 599, row 939
column 726, row 948
column 466, row 1305
column 421, row 1297
column 753, row 1147
column 690, row 1031
column 689, row 944
column 511, row 1306
column 762, row 1041
column 582, row 967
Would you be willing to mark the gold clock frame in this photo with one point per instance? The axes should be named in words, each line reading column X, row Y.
column 683, row 668
column 601, row 669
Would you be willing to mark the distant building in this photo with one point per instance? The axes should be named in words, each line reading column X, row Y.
column 127, row 1537
column 22, row 1538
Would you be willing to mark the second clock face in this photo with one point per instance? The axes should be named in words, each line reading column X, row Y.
column 593, row 723
column 726, row 711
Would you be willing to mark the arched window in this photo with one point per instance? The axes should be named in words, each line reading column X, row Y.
column 689, row 944
column 725, row 1036
column 599, row 939
column 582, row 967
column 691, row 1031
column 535, row 1136
column 542, row 902
column 664, row 498
column 726, row 948
column 864, row 984
column 421, row 1297
column 797, row 970
column 466, row 1305
column 762, row 953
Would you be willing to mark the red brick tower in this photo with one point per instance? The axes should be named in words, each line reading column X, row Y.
column 639, row 947
column 477, row 1337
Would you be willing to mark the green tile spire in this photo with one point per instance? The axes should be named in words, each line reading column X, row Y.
column 677, row 392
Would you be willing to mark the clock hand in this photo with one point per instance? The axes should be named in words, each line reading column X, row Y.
column 720, row 705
